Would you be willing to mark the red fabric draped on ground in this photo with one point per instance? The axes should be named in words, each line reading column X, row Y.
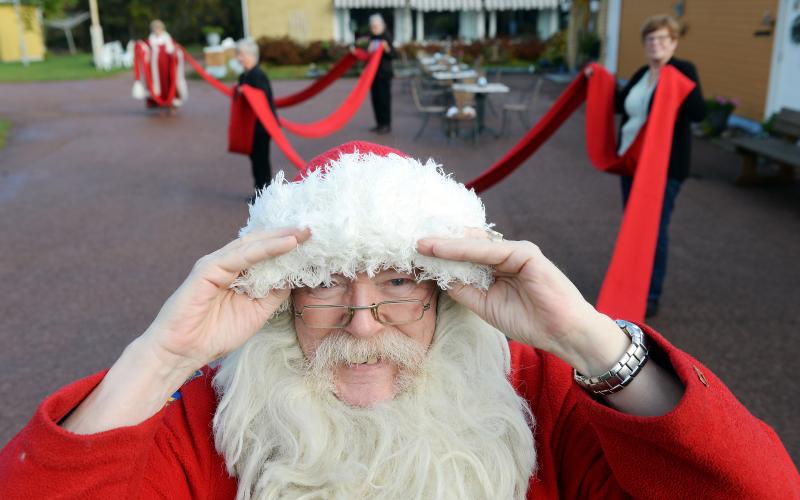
column 624, row 290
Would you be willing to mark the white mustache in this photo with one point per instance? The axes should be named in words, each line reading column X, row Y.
column 339, row 347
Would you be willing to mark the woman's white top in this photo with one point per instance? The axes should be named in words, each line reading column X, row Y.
column 637, row 105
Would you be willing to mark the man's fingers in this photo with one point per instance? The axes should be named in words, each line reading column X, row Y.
column 468, row 296
column 505, row 256
column 222, row 268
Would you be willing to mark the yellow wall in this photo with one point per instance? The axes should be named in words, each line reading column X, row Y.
column 9, row 33
column 719, row 40
column 302, row 20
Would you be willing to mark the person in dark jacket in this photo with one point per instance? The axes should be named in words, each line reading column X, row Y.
column 660, row 39
column 247, row 53
column 381, row 89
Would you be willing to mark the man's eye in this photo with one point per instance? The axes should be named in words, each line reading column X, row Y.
column 399, row 281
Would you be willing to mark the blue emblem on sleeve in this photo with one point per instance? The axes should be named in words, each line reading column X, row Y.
column 177, row 394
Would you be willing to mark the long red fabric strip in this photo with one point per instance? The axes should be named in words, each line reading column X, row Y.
column 339, row 118
column 565, row 105
column 320, row 84
column 331, row 123
column 258, row 102
column 228, row 91
column 627, row 280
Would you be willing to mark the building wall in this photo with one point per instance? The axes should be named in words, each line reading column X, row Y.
column 9, row 34
column 302, row 20
column 719, row 40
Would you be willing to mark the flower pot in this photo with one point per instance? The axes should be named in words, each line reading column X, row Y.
column 717, row 120
column 213, row 39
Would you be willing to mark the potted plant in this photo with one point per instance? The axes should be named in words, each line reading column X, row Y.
column 213, row 35
column 718, row 110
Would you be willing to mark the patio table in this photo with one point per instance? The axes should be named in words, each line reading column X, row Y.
column 481, row 92
column 455, row 75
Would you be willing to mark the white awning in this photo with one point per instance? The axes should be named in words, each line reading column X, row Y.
column 368, row 4
column 443, row 5
column 521, row 4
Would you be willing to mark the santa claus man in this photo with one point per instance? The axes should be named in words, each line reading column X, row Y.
column 361, row 321
column 159, row 70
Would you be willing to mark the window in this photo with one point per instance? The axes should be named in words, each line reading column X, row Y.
column 441, row 25
column 359, row 20
column 517, row 23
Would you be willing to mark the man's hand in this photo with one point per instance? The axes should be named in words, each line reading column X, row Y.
column 531, row 300
column 203, row 320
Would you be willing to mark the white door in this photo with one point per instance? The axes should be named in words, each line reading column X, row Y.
column 784, row 85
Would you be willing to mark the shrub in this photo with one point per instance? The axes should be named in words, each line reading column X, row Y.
column 282, row 51
column 555, row 49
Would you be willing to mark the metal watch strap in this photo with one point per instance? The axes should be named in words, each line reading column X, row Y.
column 623, row 371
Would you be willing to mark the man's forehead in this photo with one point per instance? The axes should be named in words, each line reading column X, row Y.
column 377, row 276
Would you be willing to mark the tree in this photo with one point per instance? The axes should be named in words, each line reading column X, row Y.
column 130, row 19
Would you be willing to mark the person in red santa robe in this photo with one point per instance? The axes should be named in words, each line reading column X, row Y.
column 159, row 70
column 361, row 322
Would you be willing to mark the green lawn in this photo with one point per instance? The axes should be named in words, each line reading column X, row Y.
column 283, row 72
column 79, row 67
column 5, row 128
column 54, row 67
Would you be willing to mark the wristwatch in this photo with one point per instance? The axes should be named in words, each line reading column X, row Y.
column 624, row 370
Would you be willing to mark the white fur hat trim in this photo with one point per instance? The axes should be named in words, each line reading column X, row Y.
column 366, row 213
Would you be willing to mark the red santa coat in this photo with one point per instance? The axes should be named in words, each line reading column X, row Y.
column 159, row 72
column 708, row 447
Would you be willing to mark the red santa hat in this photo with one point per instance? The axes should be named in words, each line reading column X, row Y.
column 366, row 206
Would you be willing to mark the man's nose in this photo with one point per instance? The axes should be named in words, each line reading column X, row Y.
column 363, row 323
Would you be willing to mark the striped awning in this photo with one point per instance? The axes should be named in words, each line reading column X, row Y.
column 521, row 4
column 444, row 5
column 369, row 4
column 448, row 5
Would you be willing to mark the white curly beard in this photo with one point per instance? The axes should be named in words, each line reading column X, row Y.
column 458, row 430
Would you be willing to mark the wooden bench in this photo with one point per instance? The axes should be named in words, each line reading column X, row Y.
column 782, row 150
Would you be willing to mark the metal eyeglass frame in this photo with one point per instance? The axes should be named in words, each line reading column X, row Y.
column 373, row 309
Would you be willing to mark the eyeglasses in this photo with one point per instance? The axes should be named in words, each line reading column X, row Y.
column 388, row 312
column 656, row 38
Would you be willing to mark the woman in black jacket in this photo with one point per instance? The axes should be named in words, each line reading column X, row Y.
column 381, row 89
column 660, row 39
column 247, row 53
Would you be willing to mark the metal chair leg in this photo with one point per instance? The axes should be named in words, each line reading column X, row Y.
column 524, row 122
column 424, row 124
column 505, row 124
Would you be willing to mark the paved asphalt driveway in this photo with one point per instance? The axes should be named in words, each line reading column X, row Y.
column 105, row 207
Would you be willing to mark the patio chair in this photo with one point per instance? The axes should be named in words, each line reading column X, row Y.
column 498, row 76
column 463, row 112
column 426, row 110
column 522, row 106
